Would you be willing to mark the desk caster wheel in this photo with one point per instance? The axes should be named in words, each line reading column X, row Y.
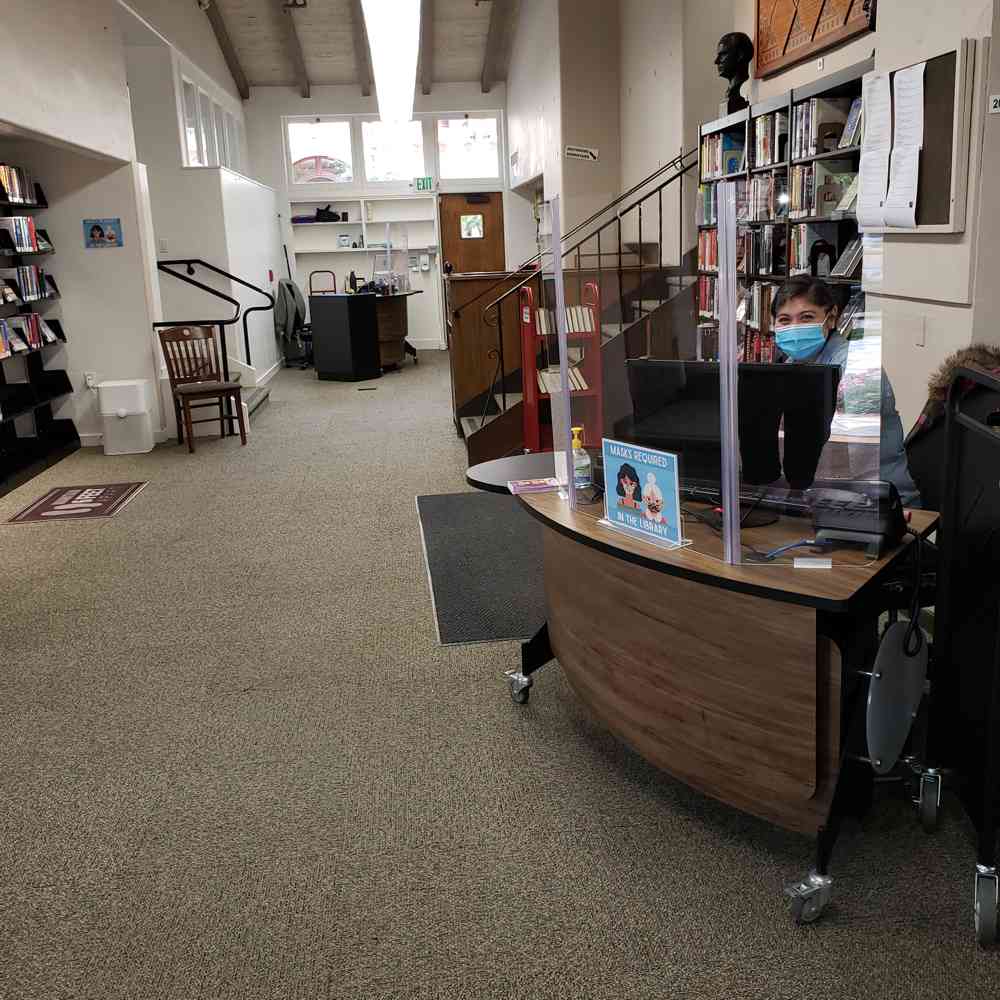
column 520, row 687
column 929, row 800
column 986, row 905
column 809, row 897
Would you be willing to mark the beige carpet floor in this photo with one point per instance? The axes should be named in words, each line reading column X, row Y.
column 235, row 763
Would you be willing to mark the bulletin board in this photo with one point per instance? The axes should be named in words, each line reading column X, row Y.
column 792, row 31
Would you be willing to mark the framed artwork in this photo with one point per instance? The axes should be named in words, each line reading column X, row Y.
column 472, row 227
column 98, row 234
column 792, row 31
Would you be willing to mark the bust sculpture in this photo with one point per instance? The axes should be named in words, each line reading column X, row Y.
column 733, row 61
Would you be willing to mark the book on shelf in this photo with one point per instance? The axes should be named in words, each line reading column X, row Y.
column 550, row 379
column 851, row 135
column 27, row 282
column 832, row 178
column 17, row 345
column 49, row 335
column 27, row 329
column 708, row 250
column 708, row 297
column 10, row 294
column 770, row 138
column 21, row 231
column 818, row 125
column 849, row 261
column 708, row 205
column 722, row 153
column 18, row 185
column 4, row 340
column 768, row 198
column 850, row 197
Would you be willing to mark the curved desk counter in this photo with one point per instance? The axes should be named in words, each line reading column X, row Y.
column 734, row 679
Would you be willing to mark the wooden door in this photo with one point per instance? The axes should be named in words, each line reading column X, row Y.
column 472, row 232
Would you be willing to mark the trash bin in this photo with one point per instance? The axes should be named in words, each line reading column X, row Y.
column 126, row 412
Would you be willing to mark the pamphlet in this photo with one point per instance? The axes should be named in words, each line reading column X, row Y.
column 641, row 493
column 517, row 486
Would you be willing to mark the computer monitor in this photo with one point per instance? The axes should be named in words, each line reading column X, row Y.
column 675, row 407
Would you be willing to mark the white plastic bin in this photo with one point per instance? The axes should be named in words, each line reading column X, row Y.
column 126, row 412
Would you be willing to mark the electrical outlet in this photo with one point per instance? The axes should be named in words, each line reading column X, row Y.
column 91, row 379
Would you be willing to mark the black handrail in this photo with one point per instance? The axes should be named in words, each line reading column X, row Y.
column 616, row 221
column 531, row 262
column 188, row 278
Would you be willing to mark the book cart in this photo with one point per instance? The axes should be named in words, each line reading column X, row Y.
column 539, row 339
column 792, row 158
column 31, row 438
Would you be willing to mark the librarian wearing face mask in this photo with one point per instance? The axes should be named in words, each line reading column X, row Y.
column 805, row 316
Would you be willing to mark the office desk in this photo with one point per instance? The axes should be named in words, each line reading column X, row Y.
column 738, row 680
column 355, row 337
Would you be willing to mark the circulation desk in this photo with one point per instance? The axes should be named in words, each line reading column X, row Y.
column 734, row 679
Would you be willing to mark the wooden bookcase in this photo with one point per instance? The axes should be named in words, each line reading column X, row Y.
column 778, row 169
column 538, row 334
column 31, row 437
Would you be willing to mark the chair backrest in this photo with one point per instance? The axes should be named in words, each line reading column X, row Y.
column 190, row 354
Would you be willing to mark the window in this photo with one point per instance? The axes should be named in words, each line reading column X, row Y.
column 208, row 129
column 393, row 152
column 192, row 133
column 320, row 152
column 468, row 147
column 233, row 160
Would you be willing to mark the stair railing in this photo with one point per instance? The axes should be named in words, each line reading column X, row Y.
column 189, row 264
column 492, row 312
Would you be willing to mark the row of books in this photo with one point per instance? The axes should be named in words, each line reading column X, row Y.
column 822, row 188
column 756, row 346
column 24, row 237
column 550, row 380
column 757, row 306
column 708, row 297
column 823, row 124
column 722, row 154
column 25, row 333
column 707, row 209
column 767, row 198
column 770, row 139
column 579, row 319
column 708, row 250
column 761, row 251
column 26, row 283
column 17, row 184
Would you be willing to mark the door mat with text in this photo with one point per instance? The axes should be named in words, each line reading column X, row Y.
column 69, row 503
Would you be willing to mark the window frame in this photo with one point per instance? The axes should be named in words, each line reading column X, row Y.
column 325, row 188
column 389, row 186
column 186, row 74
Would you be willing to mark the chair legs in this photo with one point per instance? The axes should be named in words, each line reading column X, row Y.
column 188, row 426
column 239, row 414
column 185, row 422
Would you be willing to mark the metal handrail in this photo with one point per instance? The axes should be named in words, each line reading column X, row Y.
column 532, row 262
column 681, row 170
column 188, row 278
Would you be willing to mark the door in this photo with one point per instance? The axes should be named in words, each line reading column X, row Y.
column 472, row 232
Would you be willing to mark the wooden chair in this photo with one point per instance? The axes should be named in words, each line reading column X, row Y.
column 193, row 366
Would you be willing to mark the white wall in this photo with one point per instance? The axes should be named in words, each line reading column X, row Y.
column 103, row 308
column 651, row 103
column 533, row 97
column 64, row 75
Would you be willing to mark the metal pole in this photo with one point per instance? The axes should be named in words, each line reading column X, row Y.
column 503, row 370
column 728, row 378
column 564, row 401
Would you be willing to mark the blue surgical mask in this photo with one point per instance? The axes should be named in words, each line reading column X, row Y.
column 800, row 341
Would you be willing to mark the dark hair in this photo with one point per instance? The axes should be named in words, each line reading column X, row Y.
column 626, row 470
column 741, row 42
column 96, row 231
column 814, row 290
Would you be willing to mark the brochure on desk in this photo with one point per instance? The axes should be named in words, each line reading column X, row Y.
column 641, row 493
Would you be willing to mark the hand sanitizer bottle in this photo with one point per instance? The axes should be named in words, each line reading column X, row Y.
column 581, row 461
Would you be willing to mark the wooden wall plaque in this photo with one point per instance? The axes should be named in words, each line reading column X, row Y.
column 791, row 31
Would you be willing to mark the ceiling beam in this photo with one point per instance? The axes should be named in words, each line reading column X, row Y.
column 497, row 44
column 285, row 8
column 362, row 53
column 426, row 45
column 228, row 52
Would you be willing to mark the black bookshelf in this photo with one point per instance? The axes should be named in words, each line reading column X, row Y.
column 31, row 438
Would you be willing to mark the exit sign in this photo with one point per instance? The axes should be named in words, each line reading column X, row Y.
column 424, row 183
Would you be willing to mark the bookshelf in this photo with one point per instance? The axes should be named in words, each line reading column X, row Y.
column 796, row 153
column 31, row 437
column 539, row 338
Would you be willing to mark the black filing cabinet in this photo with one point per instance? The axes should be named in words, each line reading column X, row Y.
column 345, row 337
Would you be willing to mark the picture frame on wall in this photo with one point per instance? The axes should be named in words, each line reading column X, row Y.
column 472, row 227
column 793, row 31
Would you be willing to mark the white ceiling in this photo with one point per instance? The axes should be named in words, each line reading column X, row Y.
column 325, row 33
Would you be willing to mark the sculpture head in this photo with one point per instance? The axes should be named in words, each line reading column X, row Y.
column 734, row 55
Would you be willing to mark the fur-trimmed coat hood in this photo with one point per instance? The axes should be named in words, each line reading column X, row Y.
column 977, row 356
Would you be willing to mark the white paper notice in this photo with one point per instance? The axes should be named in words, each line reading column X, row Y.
column 900, row 208
column 877, row 105
column 871, row 191
column 908, row 106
